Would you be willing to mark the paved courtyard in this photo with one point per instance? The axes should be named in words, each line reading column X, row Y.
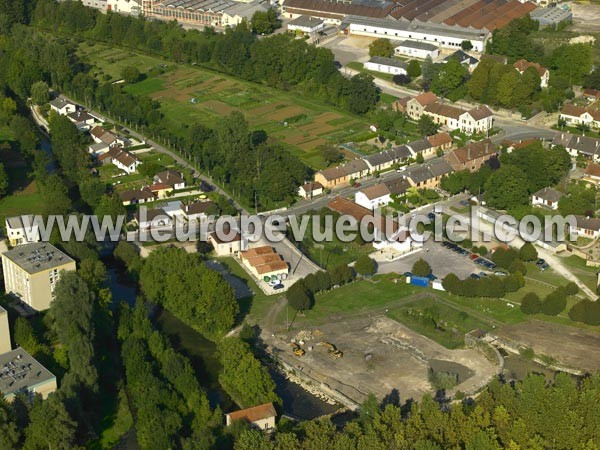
column 442, row 261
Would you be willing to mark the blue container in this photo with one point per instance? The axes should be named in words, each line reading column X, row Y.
column 419, row 281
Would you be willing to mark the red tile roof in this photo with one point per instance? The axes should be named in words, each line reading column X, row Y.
column 255, row 413
column 522, row 65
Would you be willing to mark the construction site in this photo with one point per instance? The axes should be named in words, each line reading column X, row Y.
column 348, row 360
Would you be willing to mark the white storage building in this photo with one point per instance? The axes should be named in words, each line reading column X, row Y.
column 417, row 49
column 386, row 65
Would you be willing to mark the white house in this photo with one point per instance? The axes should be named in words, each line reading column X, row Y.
column 477, row 120
column 373, row 197
column 132, row 7
column 152, row 218
column 22, row 230
column 417, row 49
column 522, row 65
column 98, row 148
column 62, row 106
column 120, row 158
column 578, row 115
column 386, row 65
column 170, row 178
column 306, row 25
column 310, row 190
column 262, row 416
column 547, row 197
column 98, row 4
column 82, row 120
column 198, row 211
column 587, row 227
column 398, row 244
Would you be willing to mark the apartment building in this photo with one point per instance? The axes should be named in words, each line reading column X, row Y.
column 31, row 272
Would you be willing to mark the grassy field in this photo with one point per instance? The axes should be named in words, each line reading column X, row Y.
column 357, row 298
column 444, row 324
column 190, row 95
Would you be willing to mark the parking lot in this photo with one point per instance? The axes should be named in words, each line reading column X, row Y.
column 441, row 259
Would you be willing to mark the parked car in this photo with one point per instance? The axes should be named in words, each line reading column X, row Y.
column 482, row 274
column 278, row 286
column 407, row 274
column 540, row 262
column 500, row 273
column 431, row 216
column 544, row 266
column 473, row 257
column 474, row 276
column 432, row 277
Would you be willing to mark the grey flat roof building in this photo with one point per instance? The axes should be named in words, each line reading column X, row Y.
column 306, row 22
column 388, row 62
column 37, row 257
column 21, row 372
column 419, row 45
column 551, row 16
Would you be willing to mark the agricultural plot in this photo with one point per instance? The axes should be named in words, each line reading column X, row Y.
column 191, row 95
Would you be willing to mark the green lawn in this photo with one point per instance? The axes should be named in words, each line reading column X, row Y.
column 26, row 202
column 444, row 324
column 357, row 298
column 145, row 87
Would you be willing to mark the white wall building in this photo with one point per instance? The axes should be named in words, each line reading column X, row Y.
column 98, row 4
column 133, row 7
column 447, row 36
column 417, row 49
column 306, row 24
column 62, row 107
column 373, row 197
column 22, row 230
column 386, row 65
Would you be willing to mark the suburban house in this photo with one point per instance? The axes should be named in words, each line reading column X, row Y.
column 98, row 148
column 477, row 120
column 264, row 263
column 440, row 141
column 575, row 115
column 262, row 416
column 62, row 106
column 463, row 58
column 152, row 218
column 5, row 344
column 347, row 207
column 310, row 190
column 22, row 373
column 230, row 245
column 22, row 230
column 171, row 178
column 100, row 134
column 444, row 114
column 472, row 156
column 587, row 227
column 341, row 175
column 522, row 65
column 397, row 186
column 579, row 145
column 235, row 12
column 547, row 197
column 198, row 211
column 387, row 158
column 82, row 120
column 160, row 190
column 592, row 173
column 423, row 147
column 121, row 159
column 591, row 94
column 136, row 196
column 306, row 25
column 417, row 49
column 427, row 176
column 415, row 106
column 373, row 197
column 386, row 65
column 31, row 272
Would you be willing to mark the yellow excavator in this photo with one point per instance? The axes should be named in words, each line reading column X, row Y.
column 298, row 351
column 332, row 350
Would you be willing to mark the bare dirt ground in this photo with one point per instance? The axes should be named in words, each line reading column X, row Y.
column 571, row 346
column 586, row 17
column 380, row 356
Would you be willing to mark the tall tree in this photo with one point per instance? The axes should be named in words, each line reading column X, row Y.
column 381, row 47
